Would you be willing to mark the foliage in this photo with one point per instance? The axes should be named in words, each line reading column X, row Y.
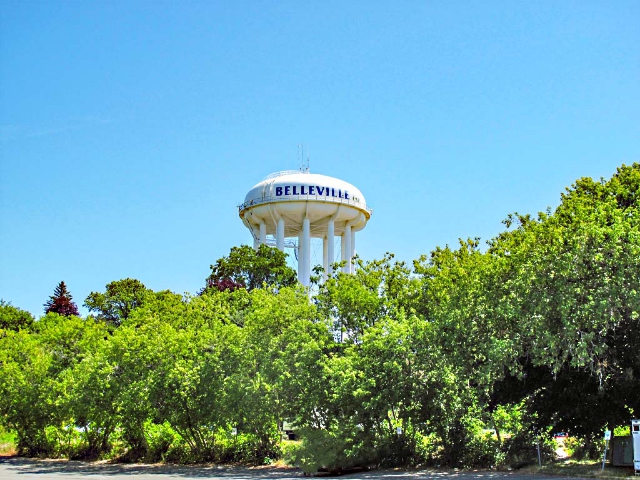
column 13, row 318
column 470, row 359
column 7, row 441
column 118, row 301
column 570, row 283
column 25, row 382
column 323, row 449
column 61, row 302
column 248, row 268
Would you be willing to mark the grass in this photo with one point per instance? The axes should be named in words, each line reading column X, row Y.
column 7, row 442
column 582, row 468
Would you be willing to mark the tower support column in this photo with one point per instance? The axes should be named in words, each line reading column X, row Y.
column 263, row 233
column 353, row 250
column 331, row 256
column 300, row 258
column 306, row 251
column 256, row 240
column 280, row 235
column 346, row 248
column 325, row 257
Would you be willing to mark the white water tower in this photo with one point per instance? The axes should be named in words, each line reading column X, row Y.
column 301, row 205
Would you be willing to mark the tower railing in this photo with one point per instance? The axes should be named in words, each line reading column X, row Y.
column 282, row 173
column 318, row 198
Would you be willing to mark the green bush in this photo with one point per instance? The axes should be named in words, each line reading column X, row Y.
column 522, row 449
column 33, row 443
column 7, row 441
column 318, row 449
column 334, row 450
column 159, row 438
column 65, row 441
column 179, row 452
column 622, row 431
column 586, row 448
column 426, row 448
column 482, row 450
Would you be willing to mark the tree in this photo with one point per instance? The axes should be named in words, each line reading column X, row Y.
column 13, row 318
column 118, row 301
column 36, row 379
column 568, row 288
column 27, row 390
column 61, row 302
column 248, row 268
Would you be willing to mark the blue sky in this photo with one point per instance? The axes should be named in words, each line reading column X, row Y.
column 131, row 130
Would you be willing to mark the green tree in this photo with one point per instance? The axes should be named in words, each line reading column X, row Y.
column 248, row 268
column 27, row 391
column 568, row 287
column 35, row 369
column 118, row 301
column 175, row 358
column 13, row 318
column 61, row 302
column 79, row 402
column 276, row 335
column 357, row 301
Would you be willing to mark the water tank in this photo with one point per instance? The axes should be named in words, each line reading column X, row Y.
column 305, row 205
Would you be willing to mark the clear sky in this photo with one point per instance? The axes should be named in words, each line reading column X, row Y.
column 131, row 130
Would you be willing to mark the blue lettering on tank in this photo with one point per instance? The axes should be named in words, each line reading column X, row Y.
column 311, row 187
column 295, row 191
column 287, row 189
column 302, row 192
column 346, row 195
column 278, row 191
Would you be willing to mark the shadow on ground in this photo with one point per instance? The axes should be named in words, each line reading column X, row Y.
column 28, row 468
column 50, row 467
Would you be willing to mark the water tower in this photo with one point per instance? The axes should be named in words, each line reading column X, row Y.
column 299, row 205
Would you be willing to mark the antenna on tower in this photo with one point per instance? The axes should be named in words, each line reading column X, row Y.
column 304, row 167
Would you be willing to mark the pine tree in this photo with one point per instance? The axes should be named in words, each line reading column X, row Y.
column 60, row 302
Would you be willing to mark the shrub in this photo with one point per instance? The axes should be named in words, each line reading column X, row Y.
column 522, row 449
column 7, row 441
column 159, row 439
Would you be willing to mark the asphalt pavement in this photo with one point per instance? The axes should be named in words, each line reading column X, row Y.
column 16, row 468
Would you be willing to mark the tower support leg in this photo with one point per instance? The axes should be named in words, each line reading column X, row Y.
column 280, row 235
column 263, row 233
column 306, row 251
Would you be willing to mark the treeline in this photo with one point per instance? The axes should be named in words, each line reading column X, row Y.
column 471, row 357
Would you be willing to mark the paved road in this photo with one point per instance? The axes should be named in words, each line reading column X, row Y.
column 28, row 469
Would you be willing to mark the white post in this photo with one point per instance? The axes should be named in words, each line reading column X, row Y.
column 331, row 256
column 306, row 238
column 280, row 235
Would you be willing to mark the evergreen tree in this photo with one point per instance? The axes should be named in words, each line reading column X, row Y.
column 61, row 302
